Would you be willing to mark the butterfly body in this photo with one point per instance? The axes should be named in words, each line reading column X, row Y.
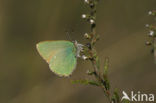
column 60, row 55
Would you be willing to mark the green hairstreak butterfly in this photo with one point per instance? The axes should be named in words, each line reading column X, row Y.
column 61, row 55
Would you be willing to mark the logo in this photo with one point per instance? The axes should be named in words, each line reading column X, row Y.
column 138, row 96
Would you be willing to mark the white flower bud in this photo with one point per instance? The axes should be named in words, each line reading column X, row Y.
column 84, row 57
column 84, row 16
column 147, row 25
column 150, row 13
column 151, row 33
column 86, row 35
column 86, row 1
column 92, row 21
column 148, row 43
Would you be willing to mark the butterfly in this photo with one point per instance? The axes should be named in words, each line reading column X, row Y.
column 61, row 55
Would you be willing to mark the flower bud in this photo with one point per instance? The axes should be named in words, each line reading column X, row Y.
column 84, row 16
column 86, row 1
column 84, row 57
column 148, row 43
column 92, row 21
column 147, row 25
column 87, row 36
column 150, row 13
column 151, row 33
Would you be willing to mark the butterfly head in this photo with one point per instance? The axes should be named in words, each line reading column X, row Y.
column 79, row 48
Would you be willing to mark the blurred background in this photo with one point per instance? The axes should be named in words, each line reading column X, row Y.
column 25, row 76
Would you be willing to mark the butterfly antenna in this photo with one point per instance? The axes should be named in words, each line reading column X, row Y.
column 69, row 36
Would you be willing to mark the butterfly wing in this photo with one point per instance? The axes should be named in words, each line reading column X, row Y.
column 60, row 55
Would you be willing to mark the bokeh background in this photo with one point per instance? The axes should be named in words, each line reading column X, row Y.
column 25, row 76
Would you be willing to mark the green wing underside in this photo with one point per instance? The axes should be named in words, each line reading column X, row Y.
column 60, row 56
column 63, row 63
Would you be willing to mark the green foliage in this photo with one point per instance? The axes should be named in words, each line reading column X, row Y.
column 107, row 84
column 115, row 97
column 97, row 62
column 86, row 82
column 125, row 101
column 105, row 71
column 106, row 65
column 151, row 27
column 101, row 80
column 153, row 13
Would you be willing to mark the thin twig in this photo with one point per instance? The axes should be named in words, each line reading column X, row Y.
column 92, row 50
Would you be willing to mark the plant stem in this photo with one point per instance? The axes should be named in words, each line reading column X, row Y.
column 152, row 34
column 96, row 68
column 154, row 44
